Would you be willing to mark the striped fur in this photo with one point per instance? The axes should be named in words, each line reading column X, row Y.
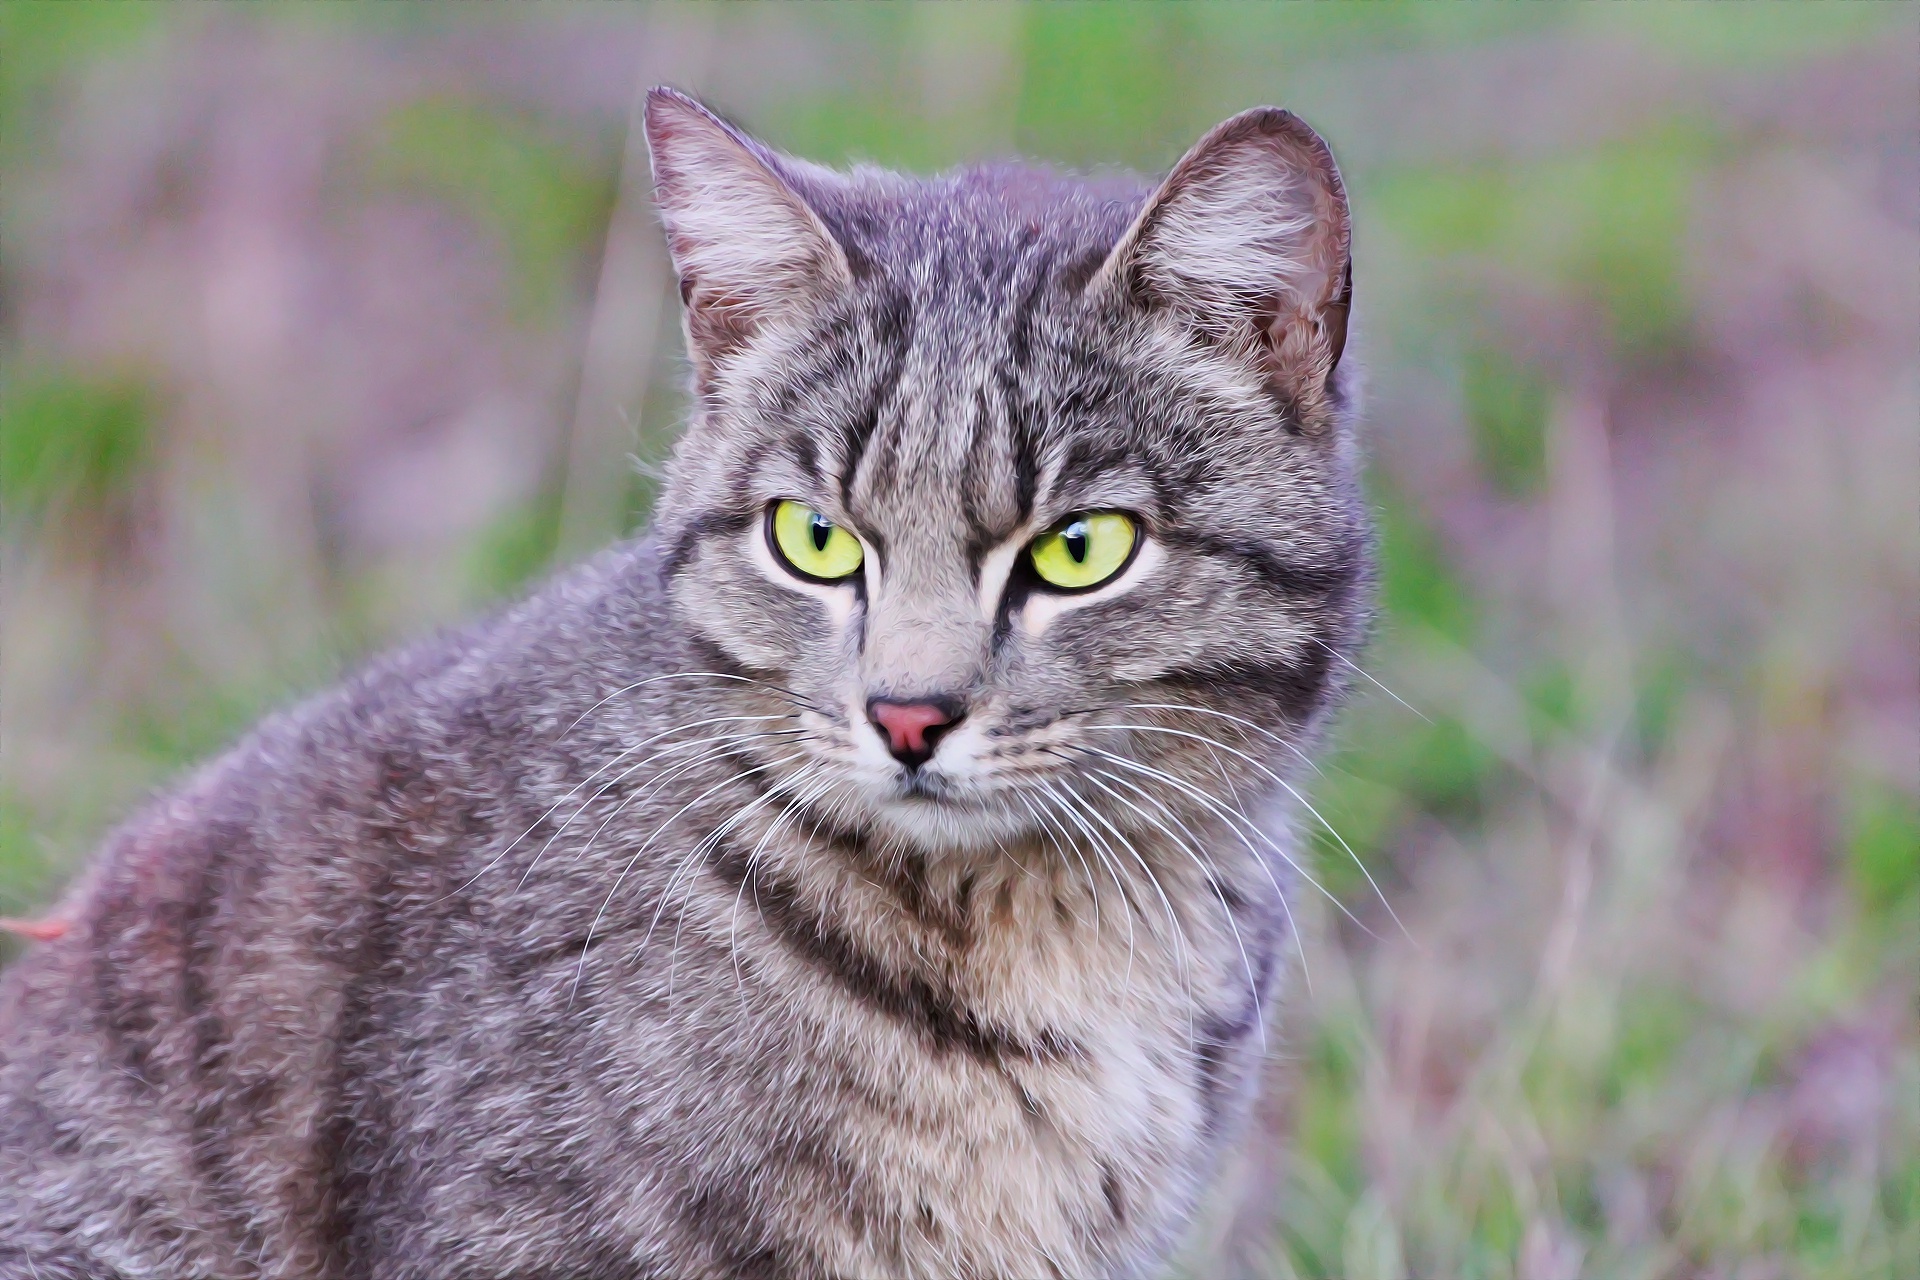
column 605, row 939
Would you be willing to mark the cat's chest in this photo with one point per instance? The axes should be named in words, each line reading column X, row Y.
column 1042, row 1100
column 1075, row 1147
column 1022, row 1165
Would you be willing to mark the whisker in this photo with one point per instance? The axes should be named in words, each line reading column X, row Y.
column 1096, row 777
column 1120, row 837
column 693, row 854
column 689, row 675
column 648, row 842
column 687, row 862
column 1286, row 908
column 1288, row 787
column 1238, row 821
column 1182, row 945
column 1204, row 711
column 1368, row 677
column 577, row 787
column 1046, row 829
column 733, row 913
column 1057, row 808
column 691, row 865
column 1177, row 936
column 715, row 746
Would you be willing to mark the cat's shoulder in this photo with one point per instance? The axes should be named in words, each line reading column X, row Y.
column 463, row 693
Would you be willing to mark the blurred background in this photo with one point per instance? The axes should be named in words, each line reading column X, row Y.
column 325, row 325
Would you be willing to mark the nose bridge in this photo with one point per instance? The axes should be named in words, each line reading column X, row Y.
column 924, row 637
column 924, row 634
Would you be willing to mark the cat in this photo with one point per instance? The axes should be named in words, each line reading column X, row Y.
column 880, row 867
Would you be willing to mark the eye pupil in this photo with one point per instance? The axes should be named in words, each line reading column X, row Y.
column 810, row 545
column 1074, row 537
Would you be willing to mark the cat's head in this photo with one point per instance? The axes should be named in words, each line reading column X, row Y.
column 991, row 473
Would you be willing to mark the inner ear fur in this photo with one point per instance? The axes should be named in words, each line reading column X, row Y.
column 1248, row 244
column 746, row 246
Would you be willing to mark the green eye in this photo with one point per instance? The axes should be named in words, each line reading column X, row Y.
column 812, row 545
column 1085, row 551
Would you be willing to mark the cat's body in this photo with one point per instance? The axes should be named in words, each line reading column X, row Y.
column 636, row 933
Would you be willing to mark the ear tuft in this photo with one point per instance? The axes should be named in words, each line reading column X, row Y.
column 1247, row 243
column 747, row 247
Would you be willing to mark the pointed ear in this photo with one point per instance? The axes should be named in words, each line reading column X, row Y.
column 746, row 247
column 1247, row 244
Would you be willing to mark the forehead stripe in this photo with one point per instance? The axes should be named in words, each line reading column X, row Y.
column 893, row 327
column 1026, row 466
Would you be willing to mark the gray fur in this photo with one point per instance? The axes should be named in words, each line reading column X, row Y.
column 604, row 939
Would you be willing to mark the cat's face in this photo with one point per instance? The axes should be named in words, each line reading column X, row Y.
column 1018, row 495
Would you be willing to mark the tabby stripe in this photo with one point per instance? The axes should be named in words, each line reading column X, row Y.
column 359, row 1120
column 126, row 1011
column 720, row 522
column 209, row 1123
column 894, row 327
column 1020, row 334
column 973, row 497
column 711, row 657
column 738, row 1231
column 902, row 875
column 804, row 456
column 1026, row 464
column 1299, row 686
column 1087, row 459
column 733, row 1226
column 1216, row 1037
column 907, row 999
column 1295, row 581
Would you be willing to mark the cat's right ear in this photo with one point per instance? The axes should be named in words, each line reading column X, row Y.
column 746, row 247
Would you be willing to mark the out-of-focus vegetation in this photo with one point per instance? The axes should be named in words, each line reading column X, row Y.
column 321, row 326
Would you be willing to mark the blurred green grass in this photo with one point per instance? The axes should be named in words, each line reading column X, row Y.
column 1621, row 1114
column 71, row 441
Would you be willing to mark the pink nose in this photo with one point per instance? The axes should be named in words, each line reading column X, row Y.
column 913, row 729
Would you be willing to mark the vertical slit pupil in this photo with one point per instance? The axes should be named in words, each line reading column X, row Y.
column 820, row 530
column 1075, row 538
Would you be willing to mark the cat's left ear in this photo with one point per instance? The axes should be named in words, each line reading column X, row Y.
column 1248, row 244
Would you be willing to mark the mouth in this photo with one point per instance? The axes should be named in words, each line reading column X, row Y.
column 926, row 787
column 930, row 811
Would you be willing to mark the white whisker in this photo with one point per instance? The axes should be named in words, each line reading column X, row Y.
column 1302, row 800
column 1096, row 777
column 1046, row 829
column 1242, row 721
column 577, row 787
column 1072, row 811
column 1238, row 822
column 733, row 913
column 1232, row 818
column 1368, row 677
column 647, row 843
column 687, row 675
column 715, row 746
column 1132, row 908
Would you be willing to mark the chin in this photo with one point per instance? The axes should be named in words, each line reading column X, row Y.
column 948, row 823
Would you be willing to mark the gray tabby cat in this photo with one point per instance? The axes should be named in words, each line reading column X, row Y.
column 877, row 869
